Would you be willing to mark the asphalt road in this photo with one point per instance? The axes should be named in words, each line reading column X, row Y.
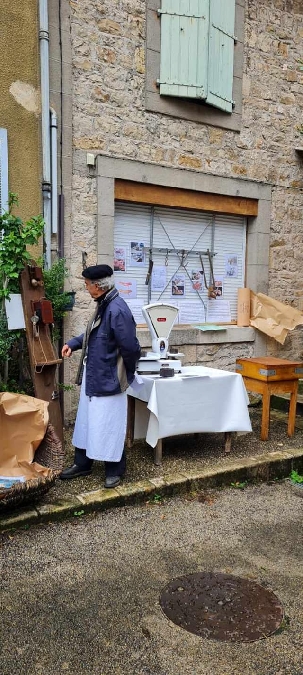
column 82, row 596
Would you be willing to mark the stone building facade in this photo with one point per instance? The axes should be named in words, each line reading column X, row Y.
column 111, row 110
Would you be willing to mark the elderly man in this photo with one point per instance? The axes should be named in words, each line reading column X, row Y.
column 110, row 351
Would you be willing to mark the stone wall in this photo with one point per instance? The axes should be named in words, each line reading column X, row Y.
column 109, row 117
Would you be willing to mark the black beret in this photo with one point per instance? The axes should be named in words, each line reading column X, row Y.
column 97, row 272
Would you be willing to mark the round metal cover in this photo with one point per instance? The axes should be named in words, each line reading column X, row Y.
column 222, row 607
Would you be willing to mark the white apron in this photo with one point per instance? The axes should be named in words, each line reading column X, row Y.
column 100, row 425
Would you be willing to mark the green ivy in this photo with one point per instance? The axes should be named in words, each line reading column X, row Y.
column 16, row 236
column 54, row 288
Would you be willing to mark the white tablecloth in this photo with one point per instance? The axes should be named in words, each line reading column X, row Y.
column 196, row 400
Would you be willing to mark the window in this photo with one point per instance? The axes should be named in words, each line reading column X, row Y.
column 194, row 57
column 3, row 171
column 181, row 243
column 197, row 50
column 229, row 200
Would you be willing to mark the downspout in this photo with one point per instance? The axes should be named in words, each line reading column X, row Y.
column 45, row 117
column 54, row 171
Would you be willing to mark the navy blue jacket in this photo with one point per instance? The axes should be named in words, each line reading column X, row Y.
column 110, row 346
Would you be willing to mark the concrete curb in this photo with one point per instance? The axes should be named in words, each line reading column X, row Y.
column 266, row 467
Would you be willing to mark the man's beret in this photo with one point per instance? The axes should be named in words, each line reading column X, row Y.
column 97, row 272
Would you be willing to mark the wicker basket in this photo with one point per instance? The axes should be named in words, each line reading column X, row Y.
column 50, row 454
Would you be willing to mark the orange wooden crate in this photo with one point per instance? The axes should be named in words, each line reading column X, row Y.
column 267, row 375
column 269, row 369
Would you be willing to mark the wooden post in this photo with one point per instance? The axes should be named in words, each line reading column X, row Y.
column 227, row 441
column 42, row 356
column 130, row 429
column 158, row 453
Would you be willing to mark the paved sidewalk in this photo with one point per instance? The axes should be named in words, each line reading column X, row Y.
column 81, row 597
column 189, row 464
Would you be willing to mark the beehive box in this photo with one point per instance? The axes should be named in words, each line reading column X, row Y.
column 269, row 369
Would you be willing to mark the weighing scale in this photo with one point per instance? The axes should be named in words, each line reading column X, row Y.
column 160, row 319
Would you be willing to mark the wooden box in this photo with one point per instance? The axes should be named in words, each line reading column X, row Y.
column 269, row 369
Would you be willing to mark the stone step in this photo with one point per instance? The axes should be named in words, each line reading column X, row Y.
column 281, row 402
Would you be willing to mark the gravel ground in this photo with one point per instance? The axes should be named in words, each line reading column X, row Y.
column 193, row 452
column 82, row 596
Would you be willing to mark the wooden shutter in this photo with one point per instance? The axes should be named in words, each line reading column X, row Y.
column 3, row 171
column 221, row 54
column 184, row 48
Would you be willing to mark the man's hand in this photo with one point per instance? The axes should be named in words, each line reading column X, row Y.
column 66, row 351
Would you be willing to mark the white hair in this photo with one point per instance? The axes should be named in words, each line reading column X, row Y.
column 106, row 283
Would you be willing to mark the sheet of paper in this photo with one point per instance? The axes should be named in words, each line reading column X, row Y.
column 14, row 312
column 119, row 259
column 218, row 311
column 197, row 280
column 191, row 312
column 178, row 285
column 135, row 307
column 209, row 326
column 158, row 280
column 231, row 265
column 127, row 288
column 137, row 254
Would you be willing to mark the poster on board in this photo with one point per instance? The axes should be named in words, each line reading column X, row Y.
column 218, row 287
column 137, row 254
column 178, row 285
column 127, row 288
column 119, row 259
column 231, row 265
column 191, row 312
column 135, row 307
column 158, row 280
column 218, row 311
column 197, row 280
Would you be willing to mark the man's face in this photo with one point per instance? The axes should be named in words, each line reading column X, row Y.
column 93, row 289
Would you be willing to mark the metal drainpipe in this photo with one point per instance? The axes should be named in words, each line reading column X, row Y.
column 45, row 115
column 54, row 172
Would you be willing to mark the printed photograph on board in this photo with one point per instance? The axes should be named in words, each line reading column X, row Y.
column 119, row 259
column 137, row 254
column 218, row 288
column 127, row 288
column 178, row 285
column 197, row 280
column 231, row 265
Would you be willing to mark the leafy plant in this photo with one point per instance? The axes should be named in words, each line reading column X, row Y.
column 239, row 485
column 296, row 478
column 16, row 236
column 155, row 499
column 54, row 288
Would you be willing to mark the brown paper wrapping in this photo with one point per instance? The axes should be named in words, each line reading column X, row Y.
column 243, row 314
column 23, row 422
column 272, row 317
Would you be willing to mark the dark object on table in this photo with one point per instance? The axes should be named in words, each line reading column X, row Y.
column 165, row 371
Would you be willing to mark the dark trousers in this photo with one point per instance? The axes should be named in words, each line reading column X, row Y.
column 111, row 468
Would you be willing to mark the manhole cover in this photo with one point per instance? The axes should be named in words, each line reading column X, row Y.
column 222, row 607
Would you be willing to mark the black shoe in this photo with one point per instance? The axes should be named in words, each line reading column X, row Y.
column 112, row 481
column 73, row 472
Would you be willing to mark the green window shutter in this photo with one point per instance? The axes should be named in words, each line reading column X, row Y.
column 184, row 48
column 221, row 54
